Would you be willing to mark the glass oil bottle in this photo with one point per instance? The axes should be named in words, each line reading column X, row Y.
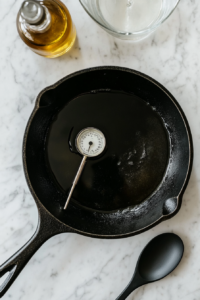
column 46, row 27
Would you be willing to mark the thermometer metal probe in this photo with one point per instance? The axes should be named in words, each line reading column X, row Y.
column 90, row 142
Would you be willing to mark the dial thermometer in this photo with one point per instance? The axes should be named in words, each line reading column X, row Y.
column 90, row 142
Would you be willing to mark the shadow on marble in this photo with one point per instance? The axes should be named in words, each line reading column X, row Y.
column 73, row 53
column 187, row 214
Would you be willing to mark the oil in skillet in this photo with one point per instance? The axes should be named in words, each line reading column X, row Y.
column 132, row 166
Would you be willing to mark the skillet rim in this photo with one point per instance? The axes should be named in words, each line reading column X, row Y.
column 68, row 228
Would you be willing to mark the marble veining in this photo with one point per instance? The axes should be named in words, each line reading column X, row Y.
column 70, row 266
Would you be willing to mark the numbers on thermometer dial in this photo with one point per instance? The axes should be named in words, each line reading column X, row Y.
column 90, row 142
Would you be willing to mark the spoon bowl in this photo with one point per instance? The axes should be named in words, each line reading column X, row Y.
column 158, row 259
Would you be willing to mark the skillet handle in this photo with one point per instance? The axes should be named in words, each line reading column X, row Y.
column 47, row 227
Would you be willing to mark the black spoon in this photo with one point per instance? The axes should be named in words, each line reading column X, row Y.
column 158, row 259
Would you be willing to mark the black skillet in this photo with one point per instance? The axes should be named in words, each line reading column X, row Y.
column 135, row 184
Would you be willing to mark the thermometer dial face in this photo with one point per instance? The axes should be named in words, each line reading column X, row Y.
column 90, row 142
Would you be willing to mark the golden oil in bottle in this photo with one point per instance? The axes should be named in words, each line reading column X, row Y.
column 46, row 27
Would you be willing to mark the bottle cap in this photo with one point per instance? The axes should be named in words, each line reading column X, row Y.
column 32, row 11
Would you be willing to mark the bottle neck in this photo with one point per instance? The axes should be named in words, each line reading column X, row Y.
column 42, row 26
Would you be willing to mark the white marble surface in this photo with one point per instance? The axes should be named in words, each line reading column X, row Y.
column 71, row 266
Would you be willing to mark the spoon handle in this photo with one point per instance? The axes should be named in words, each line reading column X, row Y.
column 133, row 285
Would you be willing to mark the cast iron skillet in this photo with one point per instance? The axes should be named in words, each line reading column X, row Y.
column 162, row 204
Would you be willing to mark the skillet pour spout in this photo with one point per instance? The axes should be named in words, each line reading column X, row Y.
column 86, row 213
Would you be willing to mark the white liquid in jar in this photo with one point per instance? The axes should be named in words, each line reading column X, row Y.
column 130, row 15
